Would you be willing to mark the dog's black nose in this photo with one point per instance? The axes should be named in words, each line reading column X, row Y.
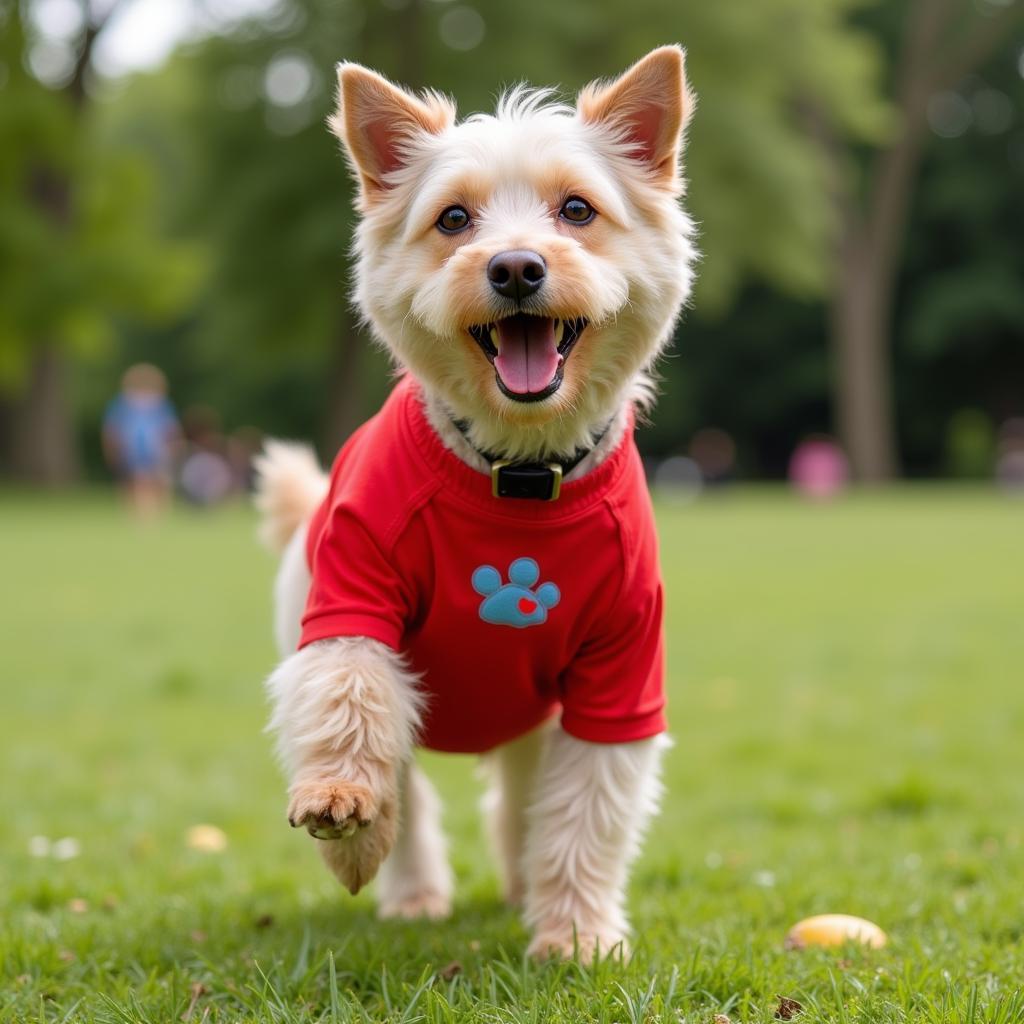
column 516, row 273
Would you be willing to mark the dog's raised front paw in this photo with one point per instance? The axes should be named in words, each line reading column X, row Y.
column 355, row 860
column 564, row 944
column 331, row 809
column 429, row 904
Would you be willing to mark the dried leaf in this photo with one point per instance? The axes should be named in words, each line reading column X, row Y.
column 206, row 839
column 788, row 1008
column 449, row 972
column 67, row 848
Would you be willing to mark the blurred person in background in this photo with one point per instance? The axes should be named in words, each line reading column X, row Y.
column 140, row 435
column 1010, row 458
column 242, row 447
column 819, row 468
column 206, row 477
column 714, row 451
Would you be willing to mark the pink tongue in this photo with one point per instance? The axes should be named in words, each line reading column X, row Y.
column 527, row 358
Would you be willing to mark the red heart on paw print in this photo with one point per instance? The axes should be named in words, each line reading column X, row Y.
column 526, row 606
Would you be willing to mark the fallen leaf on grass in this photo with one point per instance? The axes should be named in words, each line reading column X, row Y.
column 67, row 848
column 39, row 846
column 206, row 839
column 788, row 1008
column 449, row 972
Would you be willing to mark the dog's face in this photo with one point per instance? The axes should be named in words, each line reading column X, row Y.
column 527, row 267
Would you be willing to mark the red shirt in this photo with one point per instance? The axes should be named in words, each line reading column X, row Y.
column 509, row 608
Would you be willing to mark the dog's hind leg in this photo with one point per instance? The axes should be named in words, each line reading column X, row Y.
column 593, row 802
column 290, row 590
column 416, row 879
column 512, row 771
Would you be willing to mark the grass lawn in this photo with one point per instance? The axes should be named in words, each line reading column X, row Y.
column 848, row 707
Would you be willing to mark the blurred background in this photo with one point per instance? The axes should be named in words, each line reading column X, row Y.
column 169, row 195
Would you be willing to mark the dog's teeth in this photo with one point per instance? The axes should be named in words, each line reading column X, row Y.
column 494, row 336
column 559, row 331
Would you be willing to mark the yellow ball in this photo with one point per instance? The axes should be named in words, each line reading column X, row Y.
column 835, row 930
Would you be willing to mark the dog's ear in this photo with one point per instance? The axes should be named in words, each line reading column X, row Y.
column 377, row 122
column 648, row 107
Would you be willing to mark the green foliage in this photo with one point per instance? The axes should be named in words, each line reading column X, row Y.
column 846, row 702
column 970, row 445
column 78, row 240
column 210, row 226
column 960, row 304
column 262, row 186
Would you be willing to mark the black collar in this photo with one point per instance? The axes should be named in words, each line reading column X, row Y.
column 541, row 480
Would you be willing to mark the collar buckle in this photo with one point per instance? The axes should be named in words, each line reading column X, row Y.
column 538, row 480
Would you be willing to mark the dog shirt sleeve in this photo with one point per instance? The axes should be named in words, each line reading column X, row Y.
column 614, row 689
column 357, row 588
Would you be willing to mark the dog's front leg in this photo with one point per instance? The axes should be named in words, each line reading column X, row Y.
column 345, row 712
column 592, row 804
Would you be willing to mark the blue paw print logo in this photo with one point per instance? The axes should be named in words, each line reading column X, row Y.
column 515, row 603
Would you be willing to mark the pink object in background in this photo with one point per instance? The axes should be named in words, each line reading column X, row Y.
column 818, row 468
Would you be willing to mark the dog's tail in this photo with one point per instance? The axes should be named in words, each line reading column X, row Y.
column 289, row 486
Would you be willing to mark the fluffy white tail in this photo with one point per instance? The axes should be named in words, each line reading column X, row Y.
column 290, row 485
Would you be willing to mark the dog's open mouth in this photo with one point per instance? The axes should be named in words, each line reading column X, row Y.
column 528, row 352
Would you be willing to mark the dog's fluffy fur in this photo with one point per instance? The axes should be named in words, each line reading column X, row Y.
column 565, row 816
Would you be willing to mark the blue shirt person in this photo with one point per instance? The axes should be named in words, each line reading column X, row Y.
column 140, row 434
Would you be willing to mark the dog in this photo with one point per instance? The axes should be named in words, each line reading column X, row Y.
column 479, row 572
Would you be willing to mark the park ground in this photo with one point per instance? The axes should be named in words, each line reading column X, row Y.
column 847, row 700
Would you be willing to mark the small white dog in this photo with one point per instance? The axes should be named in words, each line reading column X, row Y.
column 524, row 270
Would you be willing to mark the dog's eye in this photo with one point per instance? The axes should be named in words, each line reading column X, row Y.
column 453, row 220
column 576, row 211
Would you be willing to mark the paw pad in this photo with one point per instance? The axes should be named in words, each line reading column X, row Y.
column 515, row 603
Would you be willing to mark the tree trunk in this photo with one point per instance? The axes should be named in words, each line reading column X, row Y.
column 871, row 248
column 861, row 354
column 43, row 448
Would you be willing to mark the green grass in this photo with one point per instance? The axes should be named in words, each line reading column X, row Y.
column 848, row 707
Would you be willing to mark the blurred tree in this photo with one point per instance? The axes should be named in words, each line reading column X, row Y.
column 225, row 145
column 75, row 240
column 259, row 180
column 942, row 42
column 269, row 195
column 959, row 316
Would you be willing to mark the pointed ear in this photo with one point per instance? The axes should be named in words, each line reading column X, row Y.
column 376, row 121
column 649, row 106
